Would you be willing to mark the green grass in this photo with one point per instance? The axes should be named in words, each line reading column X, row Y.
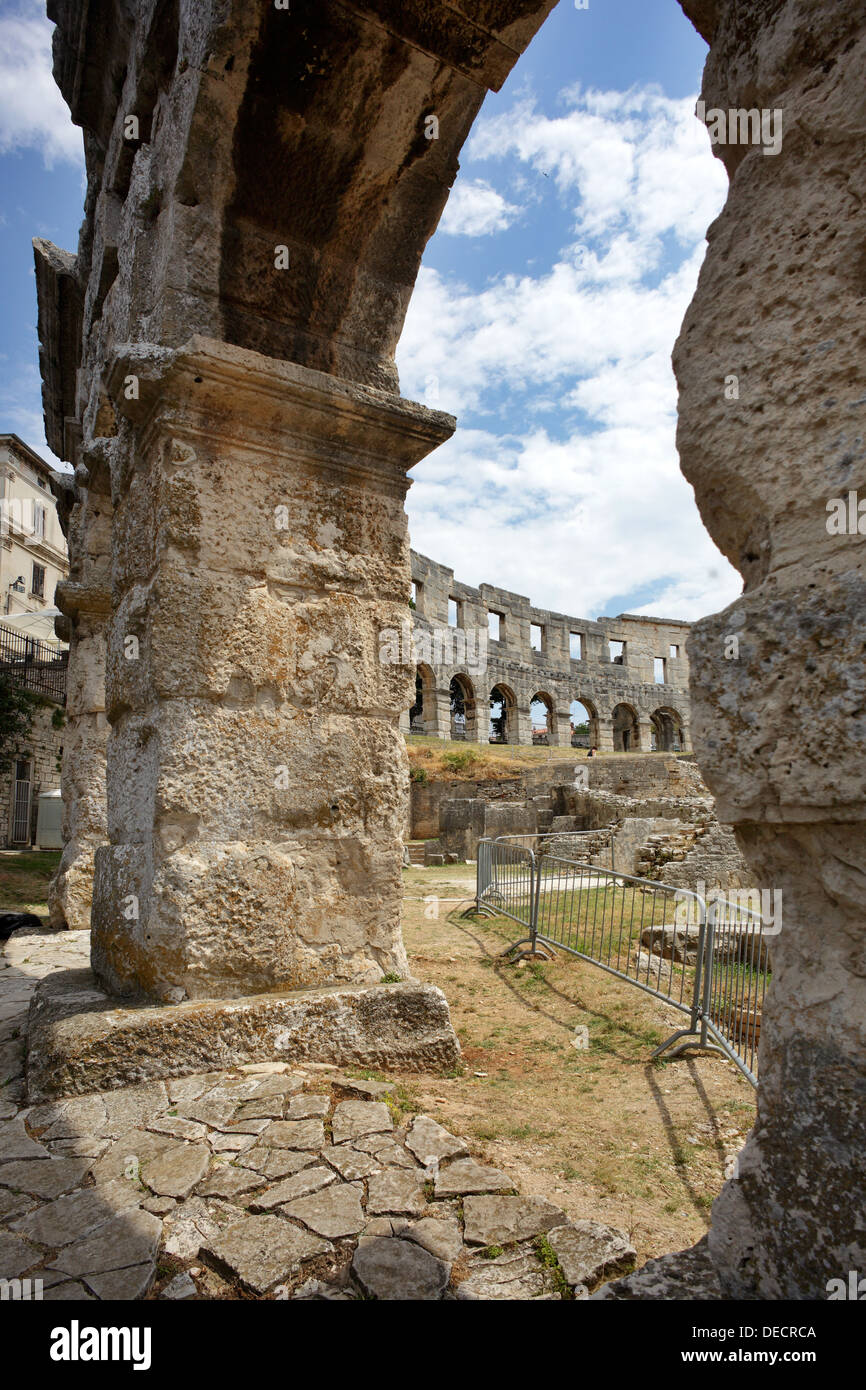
column 549, row 1258
column 24, row 879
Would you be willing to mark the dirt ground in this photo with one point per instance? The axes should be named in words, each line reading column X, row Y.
column 606, row 1132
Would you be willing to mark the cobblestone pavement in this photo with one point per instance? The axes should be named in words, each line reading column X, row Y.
column 264, row 1181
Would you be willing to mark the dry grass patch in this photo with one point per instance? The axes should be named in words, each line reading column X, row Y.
column 606, row 1132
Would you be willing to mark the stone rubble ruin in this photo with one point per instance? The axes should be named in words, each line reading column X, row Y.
column 261, row 186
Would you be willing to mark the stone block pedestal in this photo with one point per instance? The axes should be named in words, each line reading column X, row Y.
column 79, row 1040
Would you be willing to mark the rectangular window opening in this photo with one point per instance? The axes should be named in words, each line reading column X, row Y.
column 494, row 627
column 536, row 637
column 617, row 653
column 659, row 672
column 575, row 646
column 453, row 613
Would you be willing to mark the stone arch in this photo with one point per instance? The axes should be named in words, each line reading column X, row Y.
column 503, row 715
column 464, row 708
column 542, row 717
column 626, row 728
column 583, row 711
column 668, row 732
column 762, row 486
column 422, row 715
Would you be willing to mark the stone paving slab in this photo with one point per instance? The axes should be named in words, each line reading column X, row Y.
column 309, row 1180
column 500, row 1220
column 515, row 1275
column 280, row 1180
column 589, row 1251
column 396, row 1192
column 294, row 1134
column 397, row 1270
column 334, row 1212
column 44, row 1178
column 262, row 1250
column 464, row 1177
column 354, row 1119
column 430, row 1142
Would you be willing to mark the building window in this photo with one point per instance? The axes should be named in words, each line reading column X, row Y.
column 38, row 520
column 37, row 585
column 453, row 614
column 617, row 653
column 675, row 651
column 536, row 637
column 575, row 646
column 659, row 673
column 494, row 627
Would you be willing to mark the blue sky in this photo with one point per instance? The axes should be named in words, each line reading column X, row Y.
column 545, row 312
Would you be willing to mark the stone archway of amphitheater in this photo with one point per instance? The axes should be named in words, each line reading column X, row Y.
column 784, row 322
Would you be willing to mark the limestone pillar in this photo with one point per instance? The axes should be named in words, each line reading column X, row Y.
column 773, row 429
column 256, row 770
column 519, row 726
column 560, row 733
column 605, row 734
column 440, row 714
column 84, row 599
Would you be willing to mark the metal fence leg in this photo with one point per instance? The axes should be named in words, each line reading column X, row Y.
column 696, row 1032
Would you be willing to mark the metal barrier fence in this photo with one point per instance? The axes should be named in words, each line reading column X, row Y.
column 38, row 666
column 711, row 963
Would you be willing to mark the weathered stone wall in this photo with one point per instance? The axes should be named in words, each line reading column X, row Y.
column 778, row 716
column 42, row 747
column 427, row 797
column 546, row 786
column 709, row 855
column 510, row 662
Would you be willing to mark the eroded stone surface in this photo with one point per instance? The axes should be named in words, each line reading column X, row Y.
column 354, row 1119
column 441, row 1237
column 334, row 1212
column 293, row 1134
column 513, row 1275
column 466, row 1175
column 393, row 1270
column 45, row 1179
column 396, row 1192
column 175, row 1172
column 230, row 1180
column 128, row 1239
column 67, row 1218
column 301, row 1185
column 430, row 1142
column 588, row 1251
column 262, row 1250
column 500, row 1220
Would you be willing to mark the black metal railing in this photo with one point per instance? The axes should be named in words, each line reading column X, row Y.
column 35, row 665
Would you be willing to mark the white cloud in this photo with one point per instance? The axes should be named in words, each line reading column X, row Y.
column 33, row 114
column 590, row 507
column 636, row 158
column 476, row 209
